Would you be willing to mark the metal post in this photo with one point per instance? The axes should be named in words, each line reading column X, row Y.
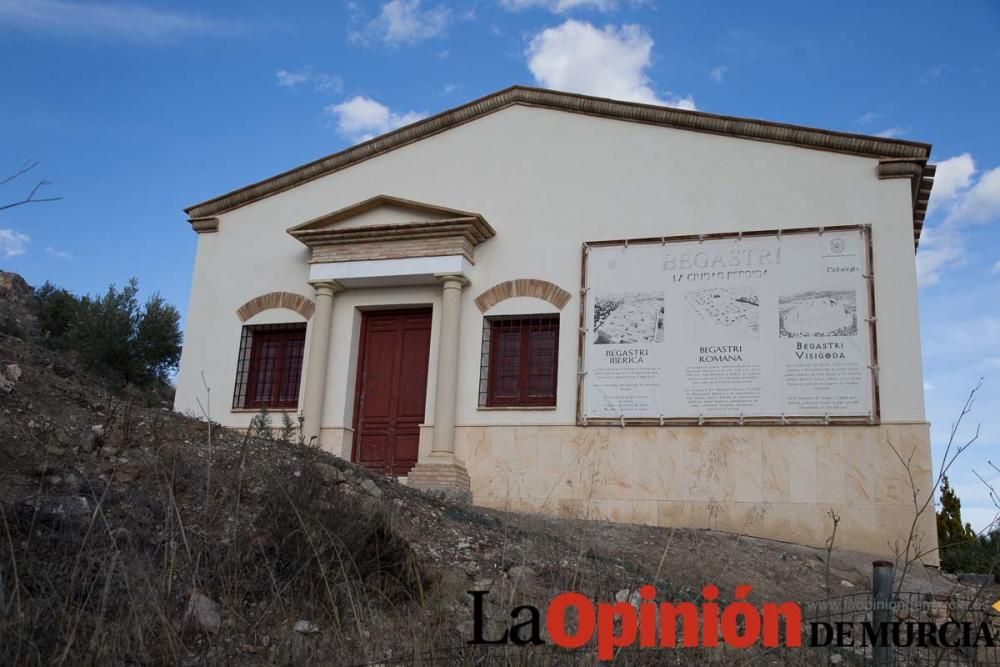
column 882, row 578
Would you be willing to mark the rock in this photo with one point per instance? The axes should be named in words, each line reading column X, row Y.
column 52, row 450
column 846, row 584
column 8, row 379
column 470, row 566
column 969, row 579
column 632, row 597
column 92, row 440
column 62, row 370
column 305, row 627
column 330, row 474
column 519, row 572
column 44, row 469
column 202, row 613
column 71, row 481
column 128, row 472
column 109, row 451
column 371, row 488
column 836, row 659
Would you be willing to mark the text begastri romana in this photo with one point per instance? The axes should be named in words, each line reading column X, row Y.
column 803, row 352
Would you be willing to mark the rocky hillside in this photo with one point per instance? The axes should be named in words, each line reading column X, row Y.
column 133, row 535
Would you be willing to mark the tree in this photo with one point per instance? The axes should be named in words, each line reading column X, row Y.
column 950, row 528
column 125, row 343
column 962, row 549
column 57, row 310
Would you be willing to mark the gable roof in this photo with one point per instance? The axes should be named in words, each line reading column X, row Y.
column 900, row 158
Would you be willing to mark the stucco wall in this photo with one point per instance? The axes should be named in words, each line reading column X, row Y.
column 547, row 181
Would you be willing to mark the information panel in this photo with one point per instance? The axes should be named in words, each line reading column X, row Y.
column 773, row 325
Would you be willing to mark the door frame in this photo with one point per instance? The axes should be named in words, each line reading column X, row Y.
column 360, row 360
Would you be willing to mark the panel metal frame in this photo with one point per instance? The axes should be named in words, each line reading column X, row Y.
column 871, row 419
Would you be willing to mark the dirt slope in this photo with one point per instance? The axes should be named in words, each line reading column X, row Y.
column 127, row 536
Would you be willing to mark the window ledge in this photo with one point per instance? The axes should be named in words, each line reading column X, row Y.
column 270, row 411
column 492, row 408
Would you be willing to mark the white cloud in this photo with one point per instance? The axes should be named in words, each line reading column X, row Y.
column 138, row 24
column 868, row 117
column 609, row 62
column 996, row 267
column 560, row 6
column 953, row 176
column 405, row 22
column 718, row 74
column 958, row 199
column 981, row 202
column 58, row 254
column 939, row 250
column 320, row 81
column 892, row 132
column 361, row 118
column 13, row 243
column 290, row 79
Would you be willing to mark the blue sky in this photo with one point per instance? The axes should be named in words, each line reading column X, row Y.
column 135, row 110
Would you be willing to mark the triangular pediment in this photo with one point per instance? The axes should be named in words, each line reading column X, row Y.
column 386, row 227
column 382, row 210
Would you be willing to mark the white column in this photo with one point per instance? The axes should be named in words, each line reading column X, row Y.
column 446, row 393
column 319, row 355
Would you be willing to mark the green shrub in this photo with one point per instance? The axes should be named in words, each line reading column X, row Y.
column 57, row 310
column 961, row 549
column 123, row 342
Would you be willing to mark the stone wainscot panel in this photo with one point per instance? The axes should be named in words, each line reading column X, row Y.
column 773, row 482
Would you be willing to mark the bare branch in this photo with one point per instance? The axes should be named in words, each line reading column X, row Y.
column 25, row 168
column 913, row 551
column 31, row 198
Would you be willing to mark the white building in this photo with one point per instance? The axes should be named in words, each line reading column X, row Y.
column 493, row 300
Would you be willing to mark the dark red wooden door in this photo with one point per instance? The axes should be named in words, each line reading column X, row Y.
column 392, row 388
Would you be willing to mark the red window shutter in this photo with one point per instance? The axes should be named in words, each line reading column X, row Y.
column 540, row 383
column 275, row 369
column 523, row 357
column 505, row 364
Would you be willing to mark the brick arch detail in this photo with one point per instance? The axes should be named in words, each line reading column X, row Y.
column 289, row 300
column 539, row 289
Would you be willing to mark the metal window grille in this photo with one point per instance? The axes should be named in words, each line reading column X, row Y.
column 519, row 361
column 269, row 366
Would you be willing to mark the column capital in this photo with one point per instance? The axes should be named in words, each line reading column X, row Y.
column 452, row 280
column 326, row 287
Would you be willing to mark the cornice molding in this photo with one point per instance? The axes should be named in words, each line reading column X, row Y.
column 697, row 121
column 921, row 176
